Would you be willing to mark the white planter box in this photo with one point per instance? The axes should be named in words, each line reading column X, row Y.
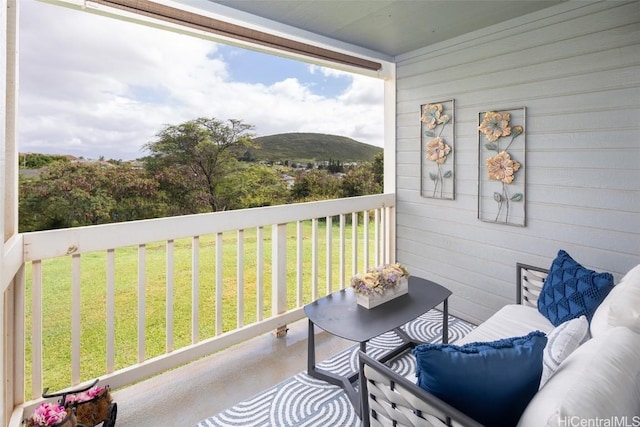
column 370, row 301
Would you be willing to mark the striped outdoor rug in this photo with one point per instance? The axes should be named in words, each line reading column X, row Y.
column 306, row 401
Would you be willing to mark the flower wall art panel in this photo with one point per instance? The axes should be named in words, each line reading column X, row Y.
column 501, row 177
column 437, row 150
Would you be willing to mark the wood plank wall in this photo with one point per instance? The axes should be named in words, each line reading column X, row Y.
column 576, row 68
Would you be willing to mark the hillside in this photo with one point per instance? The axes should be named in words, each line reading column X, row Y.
column 311, row 147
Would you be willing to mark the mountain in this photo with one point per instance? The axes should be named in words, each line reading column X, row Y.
column 311, row 147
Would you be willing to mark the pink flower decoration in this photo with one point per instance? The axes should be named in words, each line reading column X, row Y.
column 48, row 414
column 85, row 395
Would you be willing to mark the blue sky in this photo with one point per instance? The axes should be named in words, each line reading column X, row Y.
column 92, row 86
column 256, row 67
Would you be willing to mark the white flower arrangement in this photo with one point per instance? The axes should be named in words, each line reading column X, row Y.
column 378, row 280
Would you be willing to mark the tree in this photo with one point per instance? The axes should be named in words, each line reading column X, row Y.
column 378, row 169
column 76, row 194
column 254, row 186
column 335, row 166
column 184, row 195
column 65, row 195
column 360, row 181
column 207, row 149
column 36, row 160
column 316, row 184
column 135, row 194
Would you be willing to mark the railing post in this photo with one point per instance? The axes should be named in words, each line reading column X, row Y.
column 329, row 254
column 16, row 336
column 36, row 328
column 141, row 301
column 390, row 229
column 279, row 274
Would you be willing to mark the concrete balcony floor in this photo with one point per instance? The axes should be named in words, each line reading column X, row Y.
column 186, row 395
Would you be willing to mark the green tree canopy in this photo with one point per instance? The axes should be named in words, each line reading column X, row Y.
column 378, row 169
column 254, row 186
column 76, row 194
column 360, row 181
column 206, row 150
column 37, row 160
column 316, row 184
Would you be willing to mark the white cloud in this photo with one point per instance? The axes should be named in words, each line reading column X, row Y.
column 95, row 86
column 327, row 72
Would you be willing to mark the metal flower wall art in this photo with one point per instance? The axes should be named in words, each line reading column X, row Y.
column 437, row 134
column 501, row 195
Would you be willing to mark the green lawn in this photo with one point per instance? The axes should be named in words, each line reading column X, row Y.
column 57, row 297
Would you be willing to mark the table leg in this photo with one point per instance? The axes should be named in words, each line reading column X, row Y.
column 364, row 398
column 311, row 349
column 346, row 383
column 445, row 322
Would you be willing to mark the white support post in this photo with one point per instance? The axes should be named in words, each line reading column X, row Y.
column 8, row 199
column 279, row 273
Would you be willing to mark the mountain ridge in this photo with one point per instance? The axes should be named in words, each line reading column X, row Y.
column 304, row 147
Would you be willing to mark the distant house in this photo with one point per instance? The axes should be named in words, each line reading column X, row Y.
column 288, row 180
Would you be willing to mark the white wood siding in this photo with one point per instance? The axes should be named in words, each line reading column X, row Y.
column 576, row 68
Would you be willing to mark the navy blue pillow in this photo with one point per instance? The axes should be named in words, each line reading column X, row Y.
column 491, row 382
column 571, row 291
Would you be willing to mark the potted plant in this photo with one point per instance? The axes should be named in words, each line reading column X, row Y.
column 52, row 415
column 92, row 406
column 380, row 284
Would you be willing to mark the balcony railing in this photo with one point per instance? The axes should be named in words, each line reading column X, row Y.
column 249, row 250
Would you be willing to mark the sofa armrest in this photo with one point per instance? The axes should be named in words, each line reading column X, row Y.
column 388, row 397
column 529, row 281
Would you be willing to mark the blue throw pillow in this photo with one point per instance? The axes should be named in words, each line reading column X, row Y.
column 571, row 291
column 491, row 382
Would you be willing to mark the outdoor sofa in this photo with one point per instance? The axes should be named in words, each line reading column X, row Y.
column 588, row 372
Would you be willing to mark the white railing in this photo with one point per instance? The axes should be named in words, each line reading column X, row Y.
column 364, row 238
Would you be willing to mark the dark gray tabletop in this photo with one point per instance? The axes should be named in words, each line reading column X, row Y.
column 340, row 315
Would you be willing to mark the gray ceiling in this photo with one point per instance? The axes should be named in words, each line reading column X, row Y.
column 392, row 27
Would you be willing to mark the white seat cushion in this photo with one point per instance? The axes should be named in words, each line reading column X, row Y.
column 512, row 320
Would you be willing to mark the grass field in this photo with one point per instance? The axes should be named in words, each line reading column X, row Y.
column 57, row 297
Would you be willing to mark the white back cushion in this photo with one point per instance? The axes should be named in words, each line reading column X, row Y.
column 621, row 307
column 600, row 380
column 563, row 340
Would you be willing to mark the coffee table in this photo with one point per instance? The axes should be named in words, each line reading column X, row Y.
column 339, row 314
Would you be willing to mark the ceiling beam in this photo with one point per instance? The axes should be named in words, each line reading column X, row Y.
column 215, row 26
